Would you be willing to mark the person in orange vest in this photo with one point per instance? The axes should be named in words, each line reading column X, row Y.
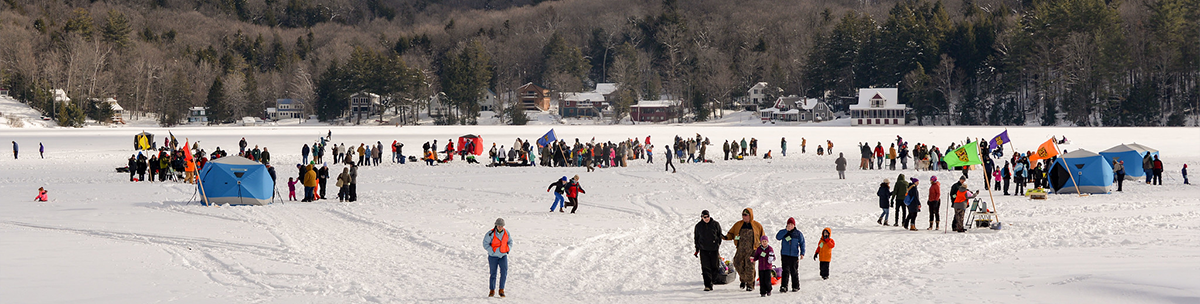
column 496, row 242
column 825, row 252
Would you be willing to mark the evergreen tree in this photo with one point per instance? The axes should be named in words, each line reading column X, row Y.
column 215, row 102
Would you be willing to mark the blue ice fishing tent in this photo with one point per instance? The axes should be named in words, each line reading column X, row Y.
column 235, row 180
column 1090, row 171
column 1132, row 155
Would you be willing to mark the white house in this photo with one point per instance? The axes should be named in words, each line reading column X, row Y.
column 795, row 108
column 815, row 110
column 198, row 114
column 878, row 107
column 757, row 93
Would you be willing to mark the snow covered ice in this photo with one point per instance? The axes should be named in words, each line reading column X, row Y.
column 415, row 233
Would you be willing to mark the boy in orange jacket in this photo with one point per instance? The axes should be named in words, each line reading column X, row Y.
column 824, row 251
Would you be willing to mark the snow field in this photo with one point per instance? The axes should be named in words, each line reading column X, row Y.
column 415, row 235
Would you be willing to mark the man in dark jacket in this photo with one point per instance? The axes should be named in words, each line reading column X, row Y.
column 708, row 241
column 265, row 157
column 959, row 204
column 1148, row 167
column 885, row 202
column 898, row 194
column 322, row 179
column 132, row 166
column 559, row 201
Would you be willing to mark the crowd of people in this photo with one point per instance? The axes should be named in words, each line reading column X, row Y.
column 754, row 256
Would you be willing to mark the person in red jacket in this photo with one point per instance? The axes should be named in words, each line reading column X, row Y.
column 573, row 191
column 1158, row 171
column 879, row 155
column 824, row 252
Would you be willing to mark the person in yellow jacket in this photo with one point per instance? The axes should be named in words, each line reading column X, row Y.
column 824, row 252
column 310, row 182
column 745, row 235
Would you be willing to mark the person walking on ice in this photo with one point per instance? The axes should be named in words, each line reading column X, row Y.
column 764, row 255
column 497, row 243
column 558, row 187
column 573, row 191
column 745, row 235
column 42, row 196
column 825, row 252
column 885, row 202
column 708, row 241
column 791, row 248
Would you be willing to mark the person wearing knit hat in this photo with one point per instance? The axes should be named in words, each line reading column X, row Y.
column 708, row 241
column 885, row 202
column 913, row 203
column 497, row 244
column 791, row 248
column 764, row 255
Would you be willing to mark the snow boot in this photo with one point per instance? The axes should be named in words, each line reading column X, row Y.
column 782, row 289
column 912, row 227
column 501, row 293
column 742, row 285
column 707, row 288
column 930, row 226
column 937, row 225
column 879, row 221
column 491, row 293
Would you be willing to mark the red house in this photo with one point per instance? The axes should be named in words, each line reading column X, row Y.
column 654, row 110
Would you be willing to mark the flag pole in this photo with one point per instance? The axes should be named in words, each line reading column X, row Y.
column 1068, row 168
column 990, row 197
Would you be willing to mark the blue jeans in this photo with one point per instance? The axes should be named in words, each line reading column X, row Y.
column 884, row 216
column 558, row 201
column 493, row 263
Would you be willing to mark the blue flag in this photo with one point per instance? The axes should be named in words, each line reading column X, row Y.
column 547, row 139
column 999, row 140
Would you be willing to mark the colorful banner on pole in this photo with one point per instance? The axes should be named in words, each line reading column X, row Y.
column 1047, row 150
column 547, row 139
column 966, row 155
column 999, row 140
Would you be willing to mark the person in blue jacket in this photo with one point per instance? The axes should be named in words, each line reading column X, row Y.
column 496, row 242
column 15, row 149
column 791, row 248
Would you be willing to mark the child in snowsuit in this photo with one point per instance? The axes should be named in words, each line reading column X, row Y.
column 824, row 252
column 791, row 247
column 42, row 197
column 291, row 189
column 765, row 256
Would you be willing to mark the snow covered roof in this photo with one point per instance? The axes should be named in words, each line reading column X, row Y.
column 606, row 88
column 113, row 103
column 810, row 103
column 654, row 103
column 61, row 96
column 888, row 99
column 775, row 110
column 792, row 111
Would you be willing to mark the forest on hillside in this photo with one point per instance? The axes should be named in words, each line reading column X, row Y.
column 956, row 62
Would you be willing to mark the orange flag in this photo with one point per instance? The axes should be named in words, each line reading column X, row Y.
column 1047, row 150
column 187, row 155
